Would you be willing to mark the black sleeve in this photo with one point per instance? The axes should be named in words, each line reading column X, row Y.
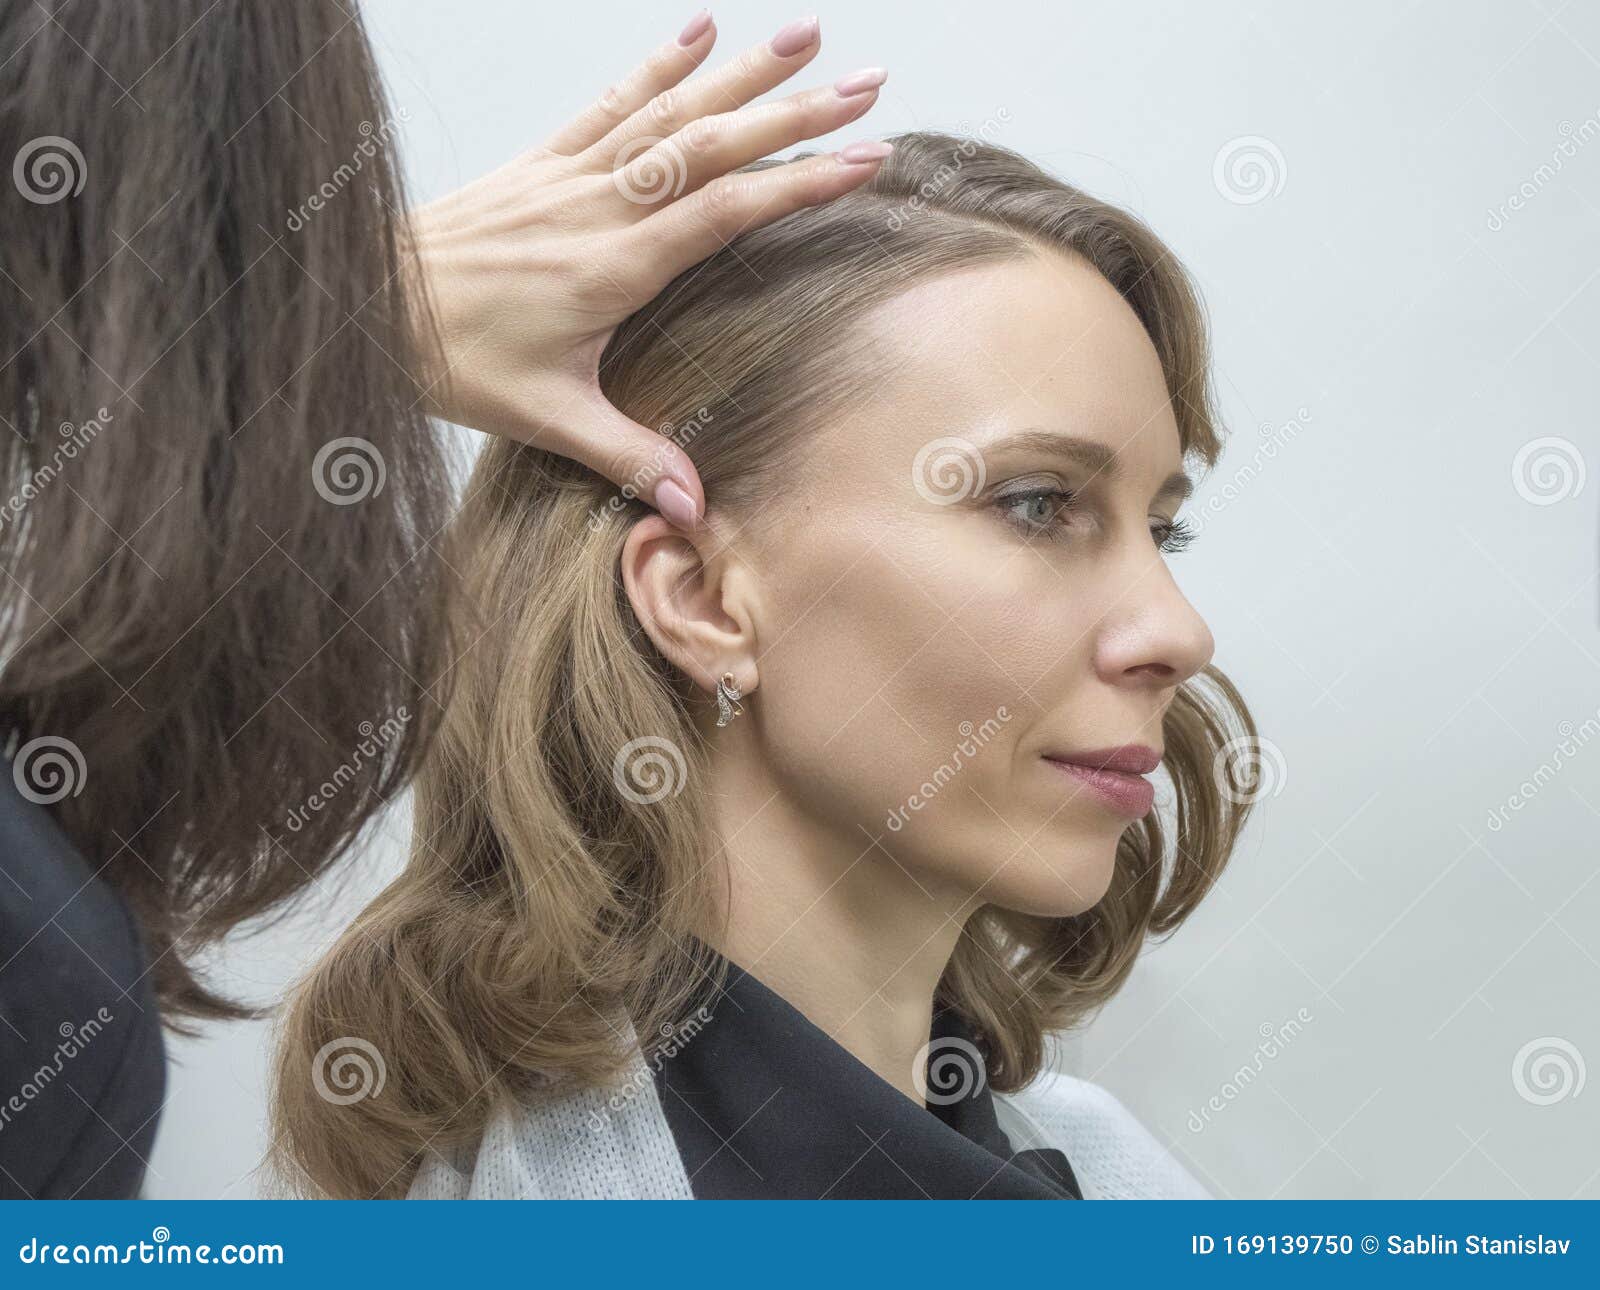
column 82, row 1062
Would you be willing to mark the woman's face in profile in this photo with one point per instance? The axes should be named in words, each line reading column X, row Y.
column 955, row 592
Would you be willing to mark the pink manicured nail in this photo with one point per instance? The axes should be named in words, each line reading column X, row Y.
column 795, row 37
column 675, row 504
column 696, row 28
column 866, row 150
column 868, row 78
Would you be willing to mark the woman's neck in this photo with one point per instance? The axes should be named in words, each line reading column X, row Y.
column 837, row 927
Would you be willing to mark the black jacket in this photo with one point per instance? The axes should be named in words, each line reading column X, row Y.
column 82, row 1064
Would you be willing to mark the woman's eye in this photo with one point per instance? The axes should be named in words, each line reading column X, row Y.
column 1174, row 535
column 1038, row 510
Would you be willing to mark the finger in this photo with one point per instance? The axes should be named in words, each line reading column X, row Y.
column 699, row 225
column 714, row 145
column 666, row 67
column 748, row 76
column 642, row 462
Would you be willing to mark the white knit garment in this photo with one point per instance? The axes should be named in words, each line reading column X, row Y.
column 601, row 1145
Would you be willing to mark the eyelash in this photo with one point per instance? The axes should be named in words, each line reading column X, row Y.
column 1176, row 536
column 1172, row 537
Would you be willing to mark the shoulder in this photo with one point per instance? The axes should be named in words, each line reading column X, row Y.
column 84, row 1068
column 1114, row 1156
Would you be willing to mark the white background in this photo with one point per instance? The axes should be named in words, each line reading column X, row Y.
column 1413, row 633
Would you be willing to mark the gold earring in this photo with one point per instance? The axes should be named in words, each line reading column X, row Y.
column 728, row 706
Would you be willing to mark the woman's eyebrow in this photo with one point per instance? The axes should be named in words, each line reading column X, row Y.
column 1091, row 454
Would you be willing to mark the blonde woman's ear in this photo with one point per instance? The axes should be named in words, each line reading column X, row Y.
column 697, row 608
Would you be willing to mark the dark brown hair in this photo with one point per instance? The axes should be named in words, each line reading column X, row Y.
column 220, row 625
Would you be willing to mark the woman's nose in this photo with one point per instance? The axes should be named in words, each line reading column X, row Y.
column 1153, row 635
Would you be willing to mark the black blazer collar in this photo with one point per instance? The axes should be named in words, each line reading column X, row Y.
column 764, row 1104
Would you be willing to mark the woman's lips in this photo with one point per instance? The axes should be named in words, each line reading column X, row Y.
column 1130, row 795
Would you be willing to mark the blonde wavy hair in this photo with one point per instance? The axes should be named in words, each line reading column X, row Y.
column 542, row 899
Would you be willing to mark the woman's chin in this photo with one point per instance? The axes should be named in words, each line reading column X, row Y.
column 1057, row 883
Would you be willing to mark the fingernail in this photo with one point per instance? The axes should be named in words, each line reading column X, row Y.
column 675, row 504
column 866, row 150
column 868, row 78
column 696, row 28
column 795, row 37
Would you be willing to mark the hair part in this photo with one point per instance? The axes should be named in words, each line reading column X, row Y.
column 544, row 905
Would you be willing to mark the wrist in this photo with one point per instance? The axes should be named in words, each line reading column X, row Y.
column 428, row 309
